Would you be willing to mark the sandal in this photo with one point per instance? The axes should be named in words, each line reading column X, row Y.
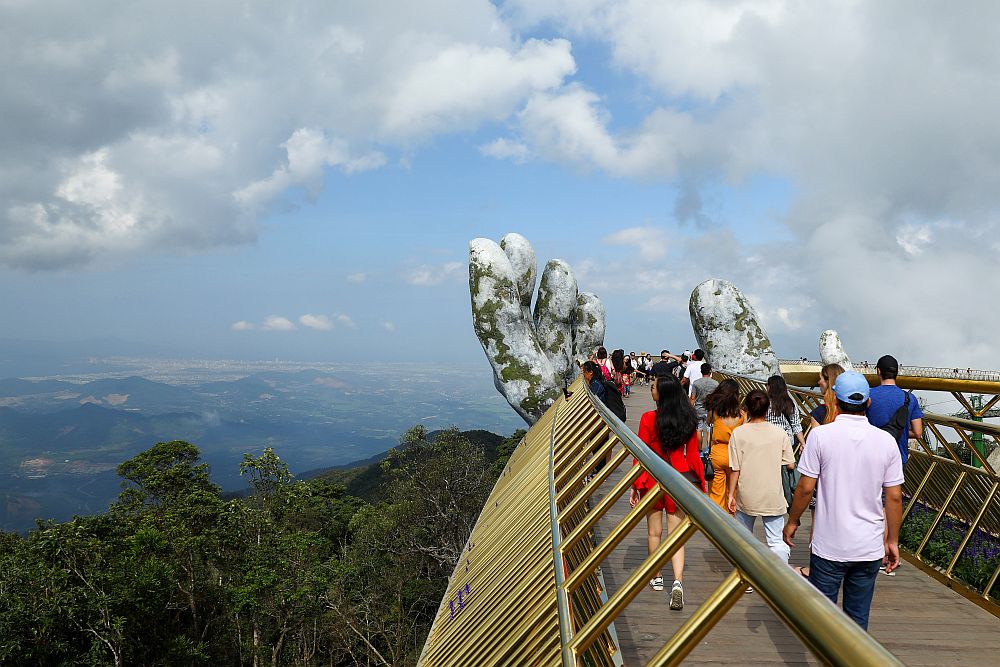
column 801, row 570
column 656, row 583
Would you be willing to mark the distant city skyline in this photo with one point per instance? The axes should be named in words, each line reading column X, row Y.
column 301, row 180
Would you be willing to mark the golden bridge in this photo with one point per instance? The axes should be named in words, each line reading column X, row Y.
column 556, row 570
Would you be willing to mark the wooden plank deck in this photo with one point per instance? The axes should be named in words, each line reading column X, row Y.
column 918, row 619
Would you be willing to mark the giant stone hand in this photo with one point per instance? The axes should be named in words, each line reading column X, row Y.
column 531, row 355
column 831, row 350
column 729, row 331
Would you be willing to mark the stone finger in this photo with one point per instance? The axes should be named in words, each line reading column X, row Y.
column 557, row 298
column 589, row 324
column 831, row 350
column 728, row 329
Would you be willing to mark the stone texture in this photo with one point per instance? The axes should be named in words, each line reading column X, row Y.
column 590, row 321
column 831, row 350
column 557, row 298
column 531, row 356
column 522, row 260
column 729, row 331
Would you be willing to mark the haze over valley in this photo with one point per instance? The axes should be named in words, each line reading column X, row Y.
column 62, row 436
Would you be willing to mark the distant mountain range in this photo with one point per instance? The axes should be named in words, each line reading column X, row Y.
column 61, row 441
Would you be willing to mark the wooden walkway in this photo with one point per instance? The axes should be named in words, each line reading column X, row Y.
column 918, row 619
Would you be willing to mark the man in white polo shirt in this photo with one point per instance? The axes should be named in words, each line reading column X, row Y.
column 852, row 532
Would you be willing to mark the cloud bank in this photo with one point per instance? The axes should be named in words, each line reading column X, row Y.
column 173, row 126
column 880, row 116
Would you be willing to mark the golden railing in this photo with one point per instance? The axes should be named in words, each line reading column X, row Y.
column 942, row 492
column 530, row 590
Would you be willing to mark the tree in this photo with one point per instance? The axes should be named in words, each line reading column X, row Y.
column 169, row 497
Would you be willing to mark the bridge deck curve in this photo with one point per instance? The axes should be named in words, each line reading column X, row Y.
column 920, row 620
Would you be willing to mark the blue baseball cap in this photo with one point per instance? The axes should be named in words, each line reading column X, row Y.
column 851, row 387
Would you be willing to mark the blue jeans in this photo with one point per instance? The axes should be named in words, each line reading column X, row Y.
column 773, row 525
column 858, row 579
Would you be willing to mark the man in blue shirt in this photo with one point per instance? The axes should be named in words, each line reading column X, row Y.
column 887, row 398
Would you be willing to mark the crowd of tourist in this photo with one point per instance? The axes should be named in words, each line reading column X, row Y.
column 741, row 452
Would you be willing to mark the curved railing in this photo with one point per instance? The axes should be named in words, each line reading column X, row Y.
column 914, row 371
column 951, row 518
column 531, row 589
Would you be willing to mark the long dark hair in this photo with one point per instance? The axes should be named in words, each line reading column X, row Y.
column 676, row 420
column 724, row 401
column 618, row 360
column 777, row 392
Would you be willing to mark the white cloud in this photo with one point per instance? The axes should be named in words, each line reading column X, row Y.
column 389, row 326
column 318, row 322
column 785, row 316
column 357, row 278
column 242, row 325
column 649, row 242
column 347, row 321
column 463, row 84
column 428, row 276
column 505, row 149
column 878, row 116
column 277, row 323
column 914, row 239
column 151, row 136
column 309, row 151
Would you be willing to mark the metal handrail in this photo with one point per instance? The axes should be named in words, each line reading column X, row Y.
column 562, row 598
column 916, row 371
column 827, row 631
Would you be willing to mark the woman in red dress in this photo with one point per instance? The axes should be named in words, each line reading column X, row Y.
column 672, row 432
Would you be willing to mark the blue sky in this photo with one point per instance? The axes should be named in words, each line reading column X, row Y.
column 179, row 187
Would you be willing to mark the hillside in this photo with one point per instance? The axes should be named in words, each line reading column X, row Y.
column 364, row 479
column 292, row 572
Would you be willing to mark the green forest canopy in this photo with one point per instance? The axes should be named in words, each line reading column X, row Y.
column 295, row 573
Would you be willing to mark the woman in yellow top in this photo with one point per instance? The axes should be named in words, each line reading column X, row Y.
column 724, row 414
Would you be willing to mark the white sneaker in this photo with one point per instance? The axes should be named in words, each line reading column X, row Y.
column 677, row 596
column 656, row 583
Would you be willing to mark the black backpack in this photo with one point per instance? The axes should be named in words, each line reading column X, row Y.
column 613, row 399
column 899, row 423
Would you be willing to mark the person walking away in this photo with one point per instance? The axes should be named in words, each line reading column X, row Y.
column 680, row 367
column 700, row 389
column 826, row 412
column 618, row 371
column 671, row 432
column 604, row 389
column 608, row 394
column 693, row 370
column 757, row 450
column 783, row 411
column 724, row 413
column 887, row 399
column 853, row 532
column 604, row 362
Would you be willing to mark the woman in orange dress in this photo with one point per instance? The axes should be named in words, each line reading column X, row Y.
column 672, row 432
column 725, row 413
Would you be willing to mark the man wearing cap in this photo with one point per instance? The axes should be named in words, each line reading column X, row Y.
column 853, row 532
column 887, row 398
